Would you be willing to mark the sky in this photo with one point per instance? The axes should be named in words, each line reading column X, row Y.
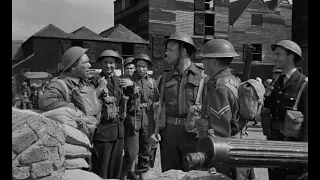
column 30, row 16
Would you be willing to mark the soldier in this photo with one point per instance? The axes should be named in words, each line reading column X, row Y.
column 129, row 67
column 109, row 137
column 71, row 88
column 24, row 85
column 180, row 91
column 140, row 105
column 220, row 108
column 285, row 89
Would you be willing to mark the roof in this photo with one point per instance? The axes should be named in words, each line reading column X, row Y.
column 119, row 33
column 16, row 50
column 37, row 75
column 85, row 33
column 236, row 8
column 51, row 31
column 273, row 4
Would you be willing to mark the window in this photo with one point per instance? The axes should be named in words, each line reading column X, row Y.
column 209, row 24
column 256, row 19
column 209, row 5
column 127, row 49
column 257, row 52
column 198, row 23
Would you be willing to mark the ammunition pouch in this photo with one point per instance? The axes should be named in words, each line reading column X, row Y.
column 292, row 124
column 194, row 114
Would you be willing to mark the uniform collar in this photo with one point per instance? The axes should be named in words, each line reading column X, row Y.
column 289, row 74
column 212, row 81
column 191, row 68
column 73, row 79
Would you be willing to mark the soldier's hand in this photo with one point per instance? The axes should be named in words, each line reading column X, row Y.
column 123, row 83
column 154, row 140
column 102, row 83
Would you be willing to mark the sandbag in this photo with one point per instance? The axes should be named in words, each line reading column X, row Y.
column 76, row 137
column 87, row 124
column 77, row 174
column 77, row 163
column 64, row 115
column 75, row 151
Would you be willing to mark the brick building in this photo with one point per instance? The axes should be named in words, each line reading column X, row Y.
column 241, row 22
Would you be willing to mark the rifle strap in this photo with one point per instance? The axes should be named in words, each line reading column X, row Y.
column 200, row 88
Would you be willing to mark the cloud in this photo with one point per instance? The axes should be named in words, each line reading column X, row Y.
column 22, row 30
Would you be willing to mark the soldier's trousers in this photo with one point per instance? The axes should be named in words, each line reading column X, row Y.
column 174, row 145
column 136, row 145
column 107, row 158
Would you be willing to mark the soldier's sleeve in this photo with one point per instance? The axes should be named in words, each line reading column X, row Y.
column 52, row 98
column 220, row 111
column 304, row 131
column 155, row 102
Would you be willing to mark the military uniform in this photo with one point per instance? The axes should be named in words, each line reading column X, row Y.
column 221, row 107
column 136, row 133
column 179, row 94
column 108, row 139
column 282, row 98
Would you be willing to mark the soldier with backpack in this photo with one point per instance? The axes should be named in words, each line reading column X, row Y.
column 221, row 107
column 140, row 104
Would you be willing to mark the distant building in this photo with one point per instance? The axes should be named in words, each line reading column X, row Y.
column 241, row 22
column 49, row 44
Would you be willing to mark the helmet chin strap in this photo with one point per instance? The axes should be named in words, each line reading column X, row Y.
column 179, row 57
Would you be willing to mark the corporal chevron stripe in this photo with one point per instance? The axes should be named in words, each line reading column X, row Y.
column 221, row 112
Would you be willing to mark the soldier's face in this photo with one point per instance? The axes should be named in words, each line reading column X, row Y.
column 129, row 69
column 281, row 58
column 81, row 69
column 142, row 67
column 108, row 64
column 208, row 66
column 172, row 53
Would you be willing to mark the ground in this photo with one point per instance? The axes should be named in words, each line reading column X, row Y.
column 254, row 132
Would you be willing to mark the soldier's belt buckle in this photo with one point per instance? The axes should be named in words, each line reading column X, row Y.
column 177, row 123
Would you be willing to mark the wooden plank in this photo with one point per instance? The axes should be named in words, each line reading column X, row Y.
column 161, row 4
column 159, row 14
column 184, row 6
column 185, row 22
column 163, row 29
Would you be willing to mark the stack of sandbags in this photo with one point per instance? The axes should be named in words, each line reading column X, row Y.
column 77, row 154
column 37, row 147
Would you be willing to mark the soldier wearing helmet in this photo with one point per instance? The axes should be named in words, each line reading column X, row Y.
column 128, row 66
column 283, row 97
column 108, row 140
column 181, row 85
column 60, row 90
column 220, row 108
column 140, row 92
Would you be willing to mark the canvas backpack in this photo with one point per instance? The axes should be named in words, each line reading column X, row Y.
column 250, row 97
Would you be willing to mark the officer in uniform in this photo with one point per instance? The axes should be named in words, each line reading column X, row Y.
column 180, row 91
column 220, row 108
column 285, row 89
column 108, row 139
column 139, row 109
column 128, row 66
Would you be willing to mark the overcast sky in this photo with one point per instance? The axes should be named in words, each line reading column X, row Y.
column 30, row 16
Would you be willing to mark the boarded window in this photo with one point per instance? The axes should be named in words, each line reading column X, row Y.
column 257, row 52
column 256, row 19
column 199, row 5
column 199, row 23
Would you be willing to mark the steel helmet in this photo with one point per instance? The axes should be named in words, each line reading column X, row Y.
column 110, row 53
column 144, row 57
column 71, row 56
column 218, row 48
column 183, row 38
column 128, row 60
column 290, row 45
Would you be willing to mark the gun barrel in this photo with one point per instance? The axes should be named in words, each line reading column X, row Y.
column 247, row 153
